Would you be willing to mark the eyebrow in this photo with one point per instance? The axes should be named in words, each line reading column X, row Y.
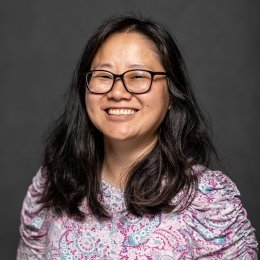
column 108, row 65
column 133, row 66
column 103, row 65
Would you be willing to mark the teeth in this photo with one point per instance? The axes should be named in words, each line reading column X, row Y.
column 119, row 112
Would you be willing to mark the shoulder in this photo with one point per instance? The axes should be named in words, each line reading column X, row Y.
column 31, row 205
column 214, row 186
column 217, row 219
column 38, row 182
column 33, row 226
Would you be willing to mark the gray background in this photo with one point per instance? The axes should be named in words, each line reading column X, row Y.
column 42, row 40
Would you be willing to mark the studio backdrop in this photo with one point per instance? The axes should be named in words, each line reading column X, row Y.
column 42, row 40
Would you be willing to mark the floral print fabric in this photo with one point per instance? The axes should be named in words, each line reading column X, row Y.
column 214, row 226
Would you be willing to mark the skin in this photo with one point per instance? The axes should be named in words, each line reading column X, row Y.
column 127, row 137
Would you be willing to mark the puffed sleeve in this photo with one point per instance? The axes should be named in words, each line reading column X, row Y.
column 217, row 221
column 33, row 227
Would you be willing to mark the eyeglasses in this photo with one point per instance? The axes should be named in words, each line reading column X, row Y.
column 135, row 81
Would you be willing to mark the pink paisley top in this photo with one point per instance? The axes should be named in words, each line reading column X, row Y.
column 214, row 226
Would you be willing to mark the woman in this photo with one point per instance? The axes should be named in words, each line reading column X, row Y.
column 125, row 170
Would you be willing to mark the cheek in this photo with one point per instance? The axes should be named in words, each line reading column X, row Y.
column 166, row 98
column 157, row 107
column 87, row 103
column 90, row 106
column 161, row 100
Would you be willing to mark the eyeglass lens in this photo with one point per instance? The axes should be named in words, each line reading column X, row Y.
column 136, row 81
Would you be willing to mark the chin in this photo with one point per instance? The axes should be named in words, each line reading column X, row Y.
column 119, row 137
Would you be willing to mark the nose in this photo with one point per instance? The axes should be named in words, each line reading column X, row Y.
column 119, row 91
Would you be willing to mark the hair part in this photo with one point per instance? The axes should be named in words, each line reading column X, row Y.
column 73, row 154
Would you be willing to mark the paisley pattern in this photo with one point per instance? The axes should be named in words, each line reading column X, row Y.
column 214, row 226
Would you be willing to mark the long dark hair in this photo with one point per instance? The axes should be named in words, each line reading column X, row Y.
column 73, row 154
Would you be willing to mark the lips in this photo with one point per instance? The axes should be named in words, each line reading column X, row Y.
column 120, row 111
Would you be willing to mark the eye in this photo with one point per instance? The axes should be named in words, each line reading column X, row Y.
column 137, row 75
column 101, row 75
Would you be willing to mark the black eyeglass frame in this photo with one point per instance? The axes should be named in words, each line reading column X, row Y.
column 121, row 76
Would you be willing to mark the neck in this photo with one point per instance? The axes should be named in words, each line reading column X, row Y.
column 119, row 156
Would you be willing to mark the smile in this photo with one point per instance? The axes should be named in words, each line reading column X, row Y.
column 119, row 112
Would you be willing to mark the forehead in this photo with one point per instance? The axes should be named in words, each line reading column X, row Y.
column 127, row 47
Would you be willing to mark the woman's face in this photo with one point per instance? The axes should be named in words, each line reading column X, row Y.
column 121, row 115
